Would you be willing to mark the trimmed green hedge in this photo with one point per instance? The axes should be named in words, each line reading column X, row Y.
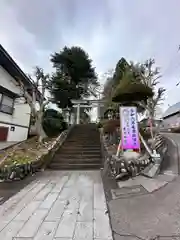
column 53, row 123
column 133, row 91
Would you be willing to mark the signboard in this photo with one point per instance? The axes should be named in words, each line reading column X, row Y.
column 129, row 129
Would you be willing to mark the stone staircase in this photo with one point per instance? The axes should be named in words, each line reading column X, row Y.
column 81, row 150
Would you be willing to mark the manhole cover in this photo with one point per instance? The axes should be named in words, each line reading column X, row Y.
column 125, row 192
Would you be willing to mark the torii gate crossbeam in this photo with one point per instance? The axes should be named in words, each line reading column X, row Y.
column 86, row 103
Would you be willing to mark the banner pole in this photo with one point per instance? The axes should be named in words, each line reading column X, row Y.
column 118, row 149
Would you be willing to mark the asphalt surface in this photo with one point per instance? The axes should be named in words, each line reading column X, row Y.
column 146, row 216
column 150, row 216
column 8, row 189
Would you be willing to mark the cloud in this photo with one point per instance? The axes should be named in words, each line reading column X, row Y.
column 106, row 29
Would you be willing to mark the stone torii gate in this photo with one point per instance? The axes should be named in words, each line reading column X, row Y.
column 85, row 104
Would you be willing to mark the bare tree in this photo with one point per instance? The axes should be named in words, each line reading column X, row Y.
column 36, row 96
column 109, row 87
column 150, row 76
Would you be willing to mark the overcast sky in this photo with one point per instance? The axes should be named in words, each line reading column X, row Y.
column 31, row 30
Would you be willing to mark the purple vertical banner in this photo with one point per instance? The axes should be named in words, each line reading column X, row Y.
column 129, row 129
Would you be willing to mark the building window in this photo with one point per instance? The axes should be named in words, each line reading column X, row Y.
column 6, row 104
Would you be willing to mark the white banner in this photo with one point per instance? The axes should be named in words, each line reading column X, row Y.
column 129, row 128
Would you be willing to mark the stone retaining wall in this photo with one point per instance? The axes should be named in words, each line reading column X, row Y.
column 163, row 146
column 171, row 158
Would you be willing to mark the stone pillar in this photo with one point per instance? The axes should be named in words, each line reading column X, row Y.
column 78, row 114
column 72, row 118
column 71, row 122
column 67, row 117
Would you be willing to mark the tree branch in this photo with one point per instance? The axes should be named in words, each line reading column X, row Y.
column 30, row 99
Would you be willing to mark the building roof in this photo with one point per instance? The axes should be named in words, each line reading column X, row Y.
column 14, row 70
column 172, row 110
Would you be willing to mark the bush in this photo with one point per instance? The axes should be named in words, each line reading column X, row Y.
column 53, row 123
column 99, row 125
column 130, row 89
column 110, row 126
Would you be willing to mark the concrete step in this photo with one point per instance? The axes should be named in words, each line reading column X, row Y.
column 85, row 141
column 79, row 151
column 76, row 166
column 79, row 147
column 83, row 133
column 92, row 139
column 78, row 135
column 78, row 155
column 76, row 161
column 84, row 136
column 82, row 144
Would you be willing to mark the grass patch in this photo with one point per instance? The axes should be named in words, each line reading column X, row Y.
column 24, row 152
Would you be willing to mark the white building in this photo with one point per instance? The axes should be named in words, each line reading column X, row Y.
column 171, row 117
column 14, row 111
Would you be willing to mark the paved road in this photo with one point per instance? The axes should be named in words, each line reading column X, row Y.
column 58, row 205
column 148, row 215
column 174, row 136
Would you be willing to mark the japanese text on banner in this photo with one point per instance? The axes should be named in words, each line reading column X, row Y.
column 129, row 128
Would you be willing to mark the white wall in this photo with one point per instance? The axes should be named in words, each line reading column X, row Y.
column 19, row 134
column 172, row 121
column 21, row 114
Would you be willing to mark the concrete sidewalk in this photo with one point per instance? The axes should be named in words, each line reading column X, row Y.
column 58, row 205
